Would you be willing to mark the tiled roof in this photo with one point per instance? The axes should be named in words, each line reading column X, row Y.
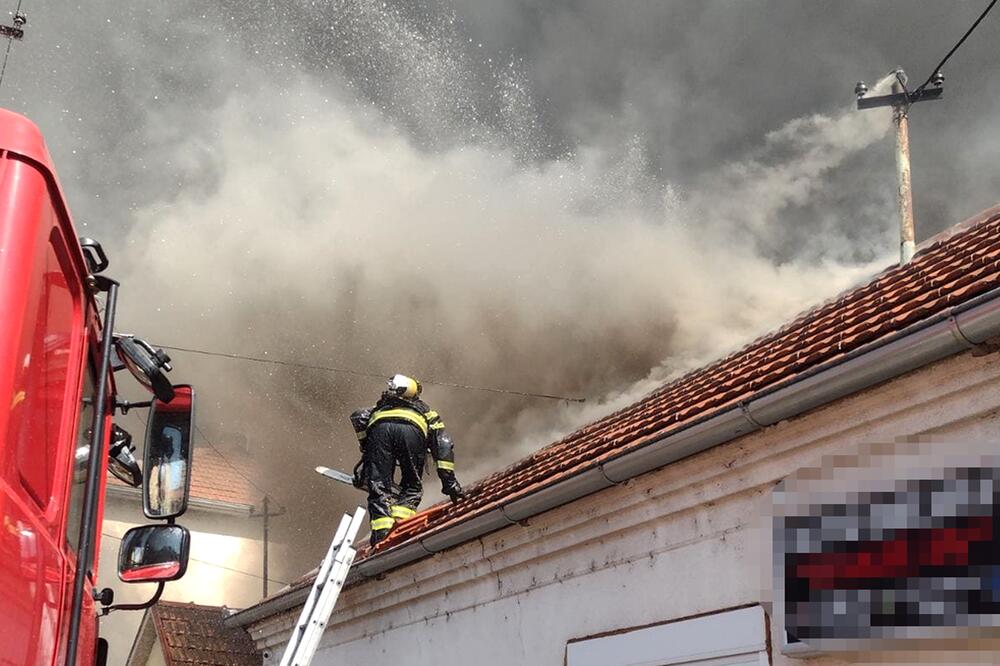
column 192, row 634
column 221, row 479
column 950, row 271
column 217, row 479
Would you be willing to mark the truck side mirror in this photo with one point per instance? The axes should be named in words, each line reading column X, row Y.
column 152, row 553
column 149, row 366
column 167, row 460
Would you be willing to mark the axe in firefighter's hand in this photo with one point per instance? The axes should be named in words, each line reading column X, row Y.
column 355, row 481
column 337, row 475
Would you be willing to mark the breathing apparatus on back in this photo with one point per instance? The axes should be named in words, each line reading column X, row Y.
column 398, row 386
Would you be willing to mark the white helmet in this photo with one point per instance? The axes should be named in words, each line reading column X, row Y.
column 404, row 387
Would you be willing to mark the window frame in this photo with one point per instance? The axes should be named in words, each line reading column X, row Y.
column 710, row 638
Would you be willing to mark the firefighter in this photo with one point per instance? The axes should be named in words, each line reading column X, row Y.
column 399, row 430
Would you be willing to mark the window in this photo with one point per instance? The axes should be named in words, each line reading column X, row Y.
column 44, row 366
column 730, row 638
column 81, row 455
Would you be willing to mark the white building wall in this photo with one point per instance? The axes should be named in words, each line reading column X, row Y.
column 684, row 540
column 156, row 657
column 225, row 566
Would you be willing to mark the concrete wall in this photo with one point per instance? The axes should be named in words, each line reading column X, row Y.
column 224, row 567
column 684, row 540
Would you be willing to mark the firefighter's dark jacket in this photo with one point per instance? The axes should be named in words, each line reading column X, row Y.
column 411, row 410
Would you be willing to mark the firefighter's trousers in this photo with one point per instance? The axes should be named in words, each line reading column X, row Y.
column 388, row 444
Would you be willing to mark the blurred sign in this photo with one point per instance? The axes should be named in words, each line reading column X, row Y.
column 888, row 546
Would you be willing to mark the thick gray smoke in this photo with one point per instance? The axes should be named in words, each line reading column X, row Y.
column 384, row 189
column 332, row 238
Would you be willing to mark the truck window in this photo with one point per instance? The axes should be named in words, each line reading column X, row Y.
column 44, row 367
column 81, row 454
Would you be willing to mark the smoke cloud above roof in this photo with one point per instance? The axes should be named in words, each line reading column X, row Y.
column 581, row 199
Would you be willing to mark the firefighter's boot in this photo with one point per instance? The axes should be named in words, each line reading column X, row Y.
column 378, row 535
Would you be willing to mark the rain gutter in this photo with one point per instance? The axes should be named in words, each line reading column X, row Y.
column 953, row 331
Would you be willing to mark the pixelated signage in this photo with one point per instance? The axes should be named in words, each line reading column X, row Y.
column 860, row 559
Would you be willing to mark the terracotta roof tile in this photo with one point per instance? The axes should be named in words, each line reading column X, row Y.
column 194, row 635
column 222, row 479
column 949, row 271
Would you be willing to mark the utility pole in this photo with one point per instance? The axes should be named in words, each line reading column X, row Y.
column 15, row 31
column 266, row 526
column 266, row 515
column 901, row 100
column 904, row 192
column 12, row 32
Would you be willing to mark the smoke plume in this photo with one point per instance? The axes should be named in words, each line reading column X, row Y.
column 558, row 201
column 332, row 239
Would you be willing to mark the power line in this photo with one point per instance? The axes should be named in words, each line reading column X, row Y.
column 213, row 564
column 232, row 465
column 228, row 462
column 955, row 48
column 362, row 373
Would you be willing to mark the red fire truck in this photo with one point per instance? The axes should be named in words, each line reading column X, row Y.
column 58, row 356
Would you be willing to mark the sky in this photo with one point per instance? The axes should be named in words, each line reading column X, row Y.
column 572, row 198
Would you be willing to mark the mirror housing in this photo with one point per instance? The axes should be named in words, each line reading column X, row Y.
column 167, row 459
column 121, row 459
column 154, row 553
column 149, row 366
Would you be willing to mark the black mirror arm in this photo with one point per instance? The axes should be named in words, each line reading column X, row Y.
column 97, row 260
column 125, row 405
column 88, row 521
column 143, row 606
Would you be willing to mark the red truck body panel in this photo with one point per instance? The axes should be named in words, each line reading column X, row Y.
column 48, row 326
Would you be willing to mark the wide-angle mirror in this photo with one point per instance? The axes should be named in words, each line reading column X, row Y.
column 152, row 553
column 167, row 460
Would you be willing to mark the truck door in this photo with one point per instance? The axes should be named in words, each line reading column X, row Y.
column 45, row 308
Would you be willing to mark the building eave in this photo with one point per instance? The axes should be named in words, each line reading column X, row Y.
column 950, row 332
column 213, row 506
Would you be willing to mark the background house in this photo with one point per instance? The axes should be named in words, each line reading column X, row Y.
column 226, row 562
column 173, row 634
column 644, row 537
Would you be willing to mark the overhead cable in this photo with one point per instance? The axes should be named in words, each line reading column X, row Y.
column 362, row 373
column 228, row 462
column 236, row 469
column 212, row 564
column 955, row 48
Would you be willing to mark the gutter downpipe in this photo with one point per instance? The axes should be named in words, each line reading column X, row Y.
column 955, row 330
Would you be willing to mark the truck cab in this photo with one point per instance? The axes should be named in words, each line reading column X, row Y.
column 58, row 356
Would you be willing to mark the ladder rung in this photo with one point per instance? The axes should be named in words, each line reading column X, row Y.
column 322, row 597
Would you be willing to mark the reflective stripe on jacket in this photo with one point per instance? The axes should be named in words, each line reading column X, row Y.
column 403, row 414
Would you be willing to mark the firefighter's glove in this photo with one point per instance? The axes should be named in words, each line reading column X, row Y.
column 359, row 481
column 456, row 493
column 452, row 488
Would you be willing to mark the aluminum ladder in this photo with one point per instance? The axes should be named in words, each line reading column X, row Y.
column 323, row 596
